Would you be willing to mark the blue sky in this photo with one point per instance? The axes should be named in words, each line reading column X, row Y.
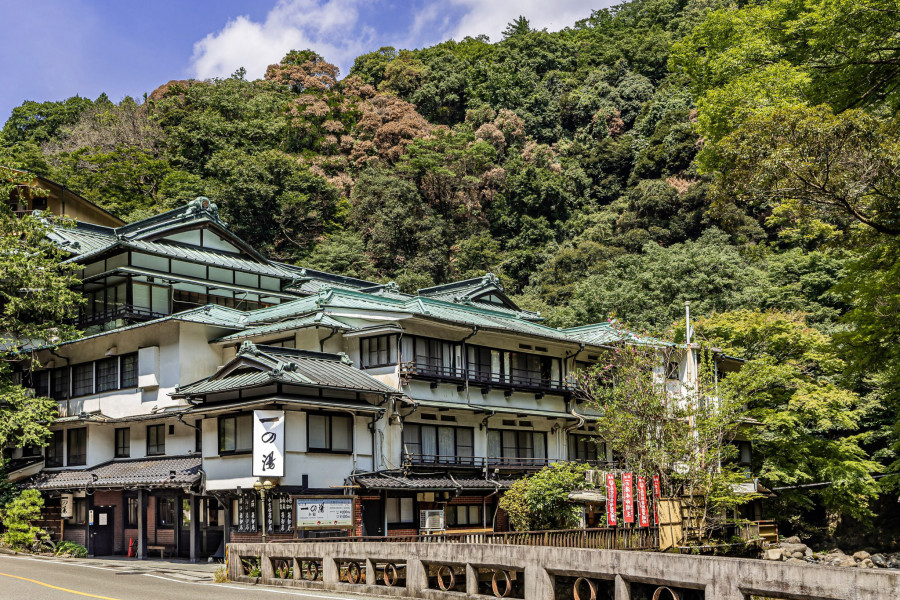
column 54, row 49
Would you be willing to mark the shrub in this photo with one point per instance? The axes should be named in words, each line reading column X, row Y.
column 541, row 501
column 71, row 549
column 17, row 515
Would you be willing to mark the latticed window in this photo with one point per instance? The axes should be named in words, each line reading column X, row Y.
column 83, row 379
column 129, row 370
column 108, row 374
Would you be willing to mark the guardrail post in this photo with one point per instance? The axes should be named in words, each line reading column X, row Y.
column 265, row 563
column 371, row 572
column 623, row 589
column 416, row 577
column 471, row 580
column 538, row 583
column 331, row 572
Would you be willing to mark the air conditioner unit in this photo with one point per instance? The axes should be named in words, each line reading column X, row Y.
column 431, row 520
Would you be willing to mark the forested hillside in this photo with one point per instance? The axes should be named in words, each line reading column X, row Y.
column 743, row 157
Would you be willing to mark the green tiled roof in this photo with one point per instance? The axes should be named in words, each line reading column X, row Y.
column 318, row 319
column 611, row 332
column 285, row 310
column 288, row 366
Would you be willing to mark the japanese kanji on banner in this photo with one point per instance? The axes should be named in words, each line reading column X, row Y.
column 656, row 496
column 628, row 497
column 611, row 499
column 268, row 443
column 643, row 512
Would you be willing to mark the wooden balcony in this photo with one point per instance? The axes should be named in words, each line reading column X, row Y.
column 128, row 313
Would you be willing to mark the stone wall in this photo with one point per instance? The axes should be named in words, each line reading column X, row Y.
column 544, row 569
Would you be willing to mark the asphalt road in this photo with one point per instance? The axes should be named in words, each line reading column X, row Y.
column 37, row 579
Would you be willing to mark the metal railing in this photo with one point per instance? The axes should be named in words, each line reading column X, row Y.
column 435, row 369
column 429, row 369
column 481, row 462
column 133, row 313
column 601, row 538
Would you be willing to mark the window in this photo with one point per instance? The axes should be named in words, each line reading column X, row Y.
column 283, row 343
column 399, row 510
column 130, row 370
column 83, row 379
column 131, row 511
column 59, row 383
column 489, row 365
column 41, row 380
column 79, row 512
column 525, row 448
column 53, row 456
column 31, row 450
column 464, row 515
column 329, row 433
column 156, row 440
column 123, row 442
column 586, row 448
column 432, row 357
column 438, row 444
column 378, row 351
column 165, row 511
column 108, row 374
column 672, row 370
column 235, row 434
column 77, row 447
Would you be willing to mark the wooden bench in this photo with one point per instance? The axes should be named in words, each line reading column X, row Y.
column 162, row 550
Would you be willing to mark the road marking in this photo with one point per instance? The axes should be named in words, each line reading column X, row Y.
column 53, row 587
column 248, row 588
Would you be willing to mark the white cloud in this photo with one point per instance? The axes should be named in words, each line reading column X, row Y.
column 327, row 26
column 491, row 17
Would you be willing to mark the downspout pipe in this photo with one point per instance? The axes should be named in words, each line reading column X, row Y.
column 334, row 331
column 465, row 360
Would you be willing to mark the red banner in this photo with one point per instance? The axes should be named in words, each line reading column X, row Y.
column 611, row 499
column 643, row 513
column 628, row 497
column 656, row 496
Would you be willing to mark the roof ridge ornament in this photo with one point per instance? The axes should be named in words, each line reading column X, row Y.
column 201, row 204
column 345, row 359
column 248, row 347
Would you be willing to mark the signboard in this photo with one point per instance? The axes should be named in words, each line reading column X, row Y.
column 656, row 496
column 324, row 512
column 66, row 506
column 643, row 512
column 268, row 443
column 102, row 519
column 610, row 499
column 628, row 497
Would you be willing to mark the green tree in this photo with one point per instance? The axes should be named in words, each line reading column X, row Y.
column 17, row 516
column 809, row 423
column 541, row 501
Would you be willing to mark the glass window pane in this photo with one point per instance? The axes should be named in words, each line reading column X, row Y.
column 474, row 514
column 244, row 432
column 318, row 432
column 540, row 445
column 83, row 379
column 392, row 510
column 495, row 448
column 445, row 442
column 108, row 374
column 406, row 510
column 429, row 440
column 342, row 434
column 509, row 444
column 129, row 370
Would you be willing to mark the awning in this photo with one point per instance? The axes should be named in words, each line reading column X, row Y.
column 314, row 403
column 245, row 483
column 163, row 472
column 531, row 412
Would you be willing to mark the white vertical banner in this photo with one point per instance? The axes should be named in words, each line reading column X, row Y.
column 268, row 443
column 66, row 504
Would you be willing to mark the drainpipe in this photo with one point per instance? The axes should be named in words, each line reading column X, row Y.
column 334, row 331
column 465, row 360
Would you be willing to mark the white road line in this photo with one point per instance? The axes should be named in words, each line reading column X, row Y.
column 247, row 588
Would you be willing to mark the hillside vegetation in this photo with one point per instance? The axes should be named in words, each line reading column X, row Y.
column 740, row 156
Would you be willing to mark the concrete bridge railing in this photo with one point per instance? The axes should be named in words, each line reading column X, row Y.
column 454, row 571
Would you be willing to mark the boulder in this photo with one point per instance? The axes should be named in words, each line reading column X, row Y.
column 879, row 560
column 774, row 554
column 846, row 561
column 893, row 562
column 797, row 555
column 808, row 553
column 791, row 540
column 861, row 555
column 791, row 548
column 867, row 563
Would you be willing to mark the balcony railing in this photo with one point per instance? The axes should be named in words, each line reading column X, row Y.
column 503, row 462
column 430, row 369
column 435, row 370
column 128, row 313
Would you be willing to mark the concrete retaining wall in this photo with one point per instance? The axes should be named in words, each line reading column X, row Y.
column 717, row 578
